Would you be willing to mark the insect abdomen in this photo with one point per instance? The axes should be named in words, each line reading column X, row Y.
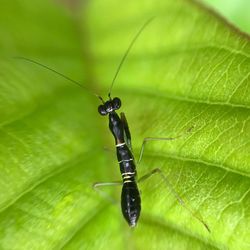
column 130, row 202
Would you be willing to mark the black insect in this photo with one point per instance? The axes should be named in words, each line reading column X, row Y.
column 118, row 125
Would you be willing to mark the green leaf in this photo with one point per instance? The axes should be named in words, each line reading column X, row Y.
column 237, row 11
column 188, row 69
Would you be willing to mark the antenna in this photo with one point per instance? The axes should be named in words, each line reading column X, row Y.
column 127, row 52
column 58, row 73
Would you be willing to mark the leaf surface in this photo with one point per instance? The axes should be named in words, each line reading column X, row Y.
column 189, row 68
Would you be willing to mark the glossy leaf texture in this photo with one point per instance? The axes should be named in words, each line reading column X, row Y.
column 188, row 69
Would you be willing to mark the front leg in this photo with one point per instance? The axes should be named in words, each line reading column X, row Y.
column 127, row 134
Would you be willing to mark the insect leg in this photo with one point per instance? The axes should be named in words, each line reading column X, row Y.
column 174, row 192
column 147, row 139
column 126, row 130
column 96, row 186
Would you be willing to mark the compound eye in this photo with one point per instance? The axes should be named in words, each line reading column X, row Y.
column 102, row 110
column 117, row 103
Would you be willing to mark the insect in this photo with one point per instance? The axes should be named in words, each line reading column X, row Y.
column 118, row 125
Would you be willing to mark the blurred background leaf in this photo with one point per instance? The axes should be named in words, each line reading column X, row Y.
column 237, row 12
column 188, row 68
